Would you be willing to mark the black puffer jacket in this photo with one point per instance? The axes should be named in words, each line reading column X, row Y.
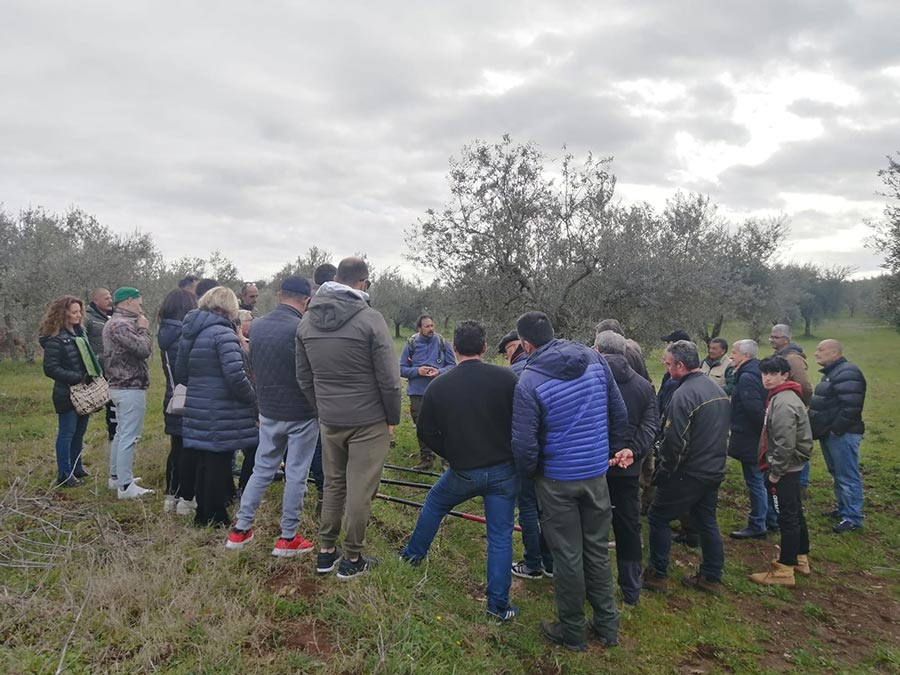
column 63, row 364
column 168, row 339
column 220, row 409
column 748, row 412
column 837, row 403
column 643, row 416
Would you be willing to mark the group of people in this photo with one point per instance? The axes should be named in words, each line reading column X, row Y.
column 575, row 437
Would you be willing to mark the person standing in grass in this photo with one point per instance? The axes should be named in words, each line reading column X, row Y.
column 126, row 353
column 98, row 313
column 569, row 426
column 288, row 427
column 692, row 458
column 784, row 448
column 466, row 417
column 425, row 356
column 347, row 369
column 68, row 360
column 835, row 414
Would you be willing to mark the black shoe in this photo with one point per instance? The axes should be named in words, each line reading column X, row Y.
column 690, row 540
column 605, row 639
column 504, row 616
column 521, row 570
column 552, row 630
column 69, row 482
column 747, row 533
column 82, row 474
column 831, row 514
column 773, row 528
column 845, row 526
column 349, row 569
column 326, row 562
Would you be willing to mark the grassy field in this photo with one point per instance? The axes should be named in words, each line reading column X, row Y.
column 89, row 584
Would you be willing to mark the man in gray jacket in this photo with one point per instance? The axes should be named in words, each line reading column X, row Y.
column 126, row 350
column 98, row 312
column 347, row 368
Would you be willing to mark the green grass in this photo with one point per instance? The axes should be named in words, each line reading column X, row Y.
column 106, row 586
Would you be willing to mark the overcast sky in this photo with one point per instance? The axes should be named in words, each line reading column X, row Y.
column 263, row 128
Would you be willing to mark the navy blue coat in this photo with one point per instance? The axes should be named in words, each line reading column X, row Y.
column 568, row 414
column 168, row 339
column 220, row 410
column 748, row 412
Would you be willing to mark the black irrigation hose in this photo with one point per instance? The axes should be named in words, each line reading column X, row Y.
column 418, row 471
column 457, row 514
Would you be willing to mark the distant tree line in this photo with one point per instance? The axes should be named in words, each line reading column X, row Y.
column 518, row 232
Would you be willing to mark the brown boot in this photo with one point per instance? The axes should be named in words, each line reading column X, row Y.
column 778, row 575
column 802, row 566
column 651, row 581
column 701, row 583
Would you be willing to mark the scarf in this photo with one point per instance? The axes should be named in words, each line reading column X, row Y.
column 762, row 459
column 91, row 364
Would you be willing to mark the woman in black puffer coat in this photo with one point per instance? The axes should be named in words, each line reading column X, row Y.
column 220, row 411
column 180, row 465
column 63, row 363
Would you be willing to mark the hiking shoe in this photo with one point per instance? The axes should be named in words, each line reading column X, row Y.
column 326, row 562
column 237, row 539
column 778, row 575
column 185, row 507
column 82, row 474
column 605, row 639
column 521, row 570
column 133, row 491
column 802, row 567
column 505, row 615
column 552, row 630
column 287, row 548
column 845, row 526
column 747, row 533
column 651, row 581
column 169, row 503
column 70, row 482
column 349, row 569
column 701, row 583
column 690, row 540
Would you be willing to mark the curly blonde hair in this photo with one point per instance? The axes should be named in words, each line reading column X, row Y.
column 220, row 300
column 54, row 319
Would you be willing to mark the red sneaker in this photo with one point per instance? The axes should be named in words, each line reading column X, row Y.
column 285, row 548
column 238, row 538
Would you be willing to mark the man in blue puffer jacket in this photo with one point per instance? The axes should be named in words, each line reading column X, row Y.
column 569, row 419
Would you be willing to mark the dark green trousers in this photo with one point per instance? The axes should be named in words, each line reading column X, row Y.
column 575, row 519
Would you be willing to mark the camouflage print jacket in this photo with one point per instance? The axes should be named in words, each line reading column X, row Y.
column 126, row 350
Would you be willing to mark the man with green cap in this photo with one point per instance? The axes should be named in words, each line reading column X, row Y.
column 126, row 351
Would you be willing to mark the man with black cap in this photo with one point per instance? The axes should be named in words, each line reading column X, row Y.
column 288, row 426
column 511, row 348
column 126, row 350
column 569, row 426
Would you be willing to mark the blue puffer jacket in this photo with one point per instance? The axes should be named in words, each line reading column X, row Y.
column 568, row 414
column 168, row 339
column 220, row 410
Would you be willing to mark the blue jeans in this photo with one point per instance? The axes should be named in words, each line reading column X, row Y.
column 762, row 510
column 537, row 554
column 131, row 404
column 69, row 444
column 499, row 486
column 298, row 438
column 804, row 475
column 842, row 459
column 674, row 497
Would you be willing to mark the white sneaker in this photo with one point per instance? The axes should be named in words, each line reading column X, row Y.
column 186, row 508
column 169, row 503
column 113, row 483
column 133, row 491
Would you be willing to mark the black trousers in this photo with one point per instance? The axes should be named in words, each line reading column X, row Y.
column 110, row 420
column 215, row 487
column 173, row 465
column 187, row 474
column 791, row 522
column 247, row 466
column 624, row 495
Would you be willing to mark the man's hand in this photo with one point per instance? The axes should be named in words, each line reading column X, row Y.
column 622, row 459
column 142, row 322
column 427, row 371
column 773, row 478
